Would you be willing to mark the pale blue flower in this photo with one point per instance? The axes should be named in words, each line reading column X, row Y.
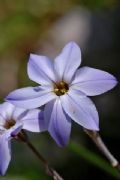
column 63, row 90
column 12, row 120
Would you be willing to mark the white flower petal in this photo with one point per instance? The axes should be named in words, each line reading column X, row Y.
column 6, row 110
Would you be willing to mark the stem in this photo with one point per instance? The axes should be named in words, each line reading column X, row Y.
column 22, row 136
column 95, row 136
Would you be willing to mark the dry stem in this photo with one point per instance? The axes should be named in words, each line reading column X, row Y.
column 95, row 136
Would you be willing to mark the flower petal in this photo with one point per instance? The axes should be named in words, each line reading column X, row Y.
column 93, row 81
column 5, row 154
column 60, row 123
column 68, row 61
column 14, row 130
column 19, row 113
column 30, row 98
column 81, row 109
column 33, row 121
column 6, row 110
column 47, row 112
column 40, row 69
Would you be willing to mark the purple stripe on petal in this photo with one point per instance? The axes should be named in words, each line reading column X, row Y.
column 93, row 81
column 14, row 130
column 33, row 121
column 40, row 69
column 81, row 110
column 60, row 123
column 28, row 98
column 19, row 113
column 48, row 111
column 68, row 61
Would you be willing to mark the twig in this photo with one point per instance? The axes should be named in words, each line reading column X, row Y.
column 95, row 136
column 22, row 136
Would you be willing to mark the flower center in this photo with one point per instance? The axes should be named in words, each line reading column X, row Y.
column 61, row 88
column 9, row 123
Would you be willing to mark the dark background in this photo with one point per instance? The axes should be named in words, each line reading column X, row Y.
column 44, row 27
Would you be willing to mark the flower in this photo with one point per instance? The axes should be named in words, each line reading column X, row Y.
column 63, row 90
column 12, row 120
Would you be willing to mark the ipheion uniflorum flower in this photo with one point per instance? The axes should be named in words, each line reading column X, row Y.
column 12, row 121
column 63, row 89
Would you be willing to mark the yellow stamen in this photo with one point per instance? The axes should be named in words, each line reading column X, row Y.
column 61, row 88
column 9, row 123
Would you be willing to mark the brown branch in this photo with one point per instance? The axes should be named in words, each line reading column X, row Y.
column 96, row 138
column 22, row 136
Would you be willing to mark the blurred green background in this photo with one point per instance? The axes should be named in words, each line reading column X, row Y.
column 44, row 27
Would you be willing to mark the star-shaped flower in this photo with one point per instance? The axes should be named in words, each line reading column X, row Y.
column 63, row 90
column 12, row 121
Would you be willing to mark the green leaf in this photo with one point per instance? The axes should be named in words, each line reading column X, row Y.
column 94, row 159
